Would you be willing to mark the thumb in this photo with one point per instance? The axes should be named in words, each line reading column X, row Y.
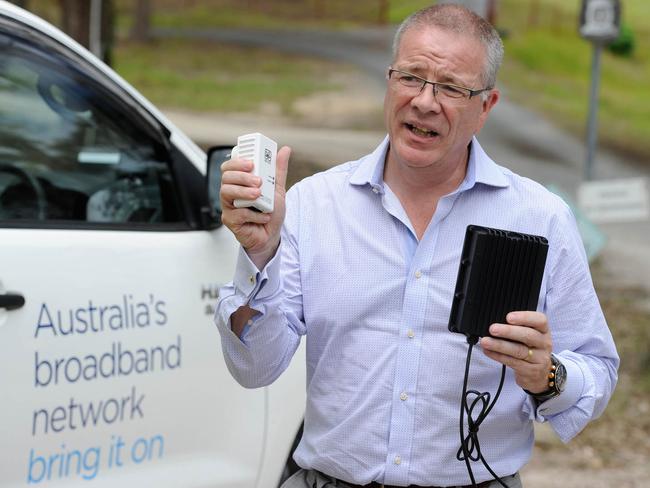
column 282, row 166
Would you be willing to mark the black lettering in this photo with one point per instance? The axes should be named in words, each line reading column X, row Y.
column 110, row 402
column 91, row 312
column 142, row 318
column 41, row 366
column 89, row 415
column 162, row 320
column 69, row 377
column 58, row 416
column 116, row 320
column 82, row 323
column 174, row 352
column 70, row 328
column 46, row 419
column 135, row 406
column 44, row 321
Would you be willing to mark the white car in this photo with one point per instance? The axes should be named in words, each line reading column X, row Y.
column 111, row 255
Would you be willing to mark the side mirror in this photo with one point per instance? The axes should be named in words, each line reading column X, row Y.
column 217, row 155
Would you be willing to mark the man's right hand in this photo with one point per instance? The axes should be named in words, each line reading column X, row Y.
column 258, row 233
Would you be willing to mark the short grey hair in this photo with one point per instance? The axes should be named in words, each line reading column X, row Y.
column 458, row 19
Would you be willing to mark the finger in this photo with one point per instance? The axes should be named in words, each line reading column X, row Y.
column 516, row 350
column 517, row 364
column 518, row 333
column 246, row 216
column 240, row 178
column 282, row 167
column 535, row 320
column 229, row 193
column 237, row 165
column 243, row 216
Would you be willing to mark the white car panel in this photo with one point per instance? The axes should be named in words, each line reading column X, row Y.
column 112, row 369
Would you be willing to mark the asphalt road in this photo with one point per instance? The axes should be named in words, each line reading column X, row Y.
column 514, row 136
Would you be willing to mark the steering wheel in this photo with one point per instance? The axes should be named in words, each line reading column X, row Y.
column 33, row 183
column 60, row 98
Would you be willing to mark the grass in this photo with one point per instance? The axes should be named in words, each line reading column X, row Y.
column 548, row 67
column 547, row 64
column 206, row 76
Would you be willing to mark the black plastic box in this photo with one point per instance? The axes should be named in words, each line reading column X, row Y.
column 500, row 272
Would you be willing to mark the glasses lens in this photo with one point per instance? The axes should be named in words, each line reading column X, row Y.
column 450, row 91
column 441, row 90
column 408, row 80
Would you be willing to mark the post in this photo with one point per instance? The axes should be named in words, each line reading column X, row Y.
column 592, row 121
column 95, row 30
column 599, row 23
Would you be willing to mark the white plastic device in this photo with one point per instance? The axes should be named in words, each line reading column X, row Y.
column 262, row 151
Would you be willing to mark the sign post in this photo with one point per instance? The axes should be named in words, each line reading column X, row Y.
column 599, row 23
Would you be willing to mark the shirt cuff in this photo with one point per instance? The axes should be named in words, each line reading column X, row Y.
column 247, row 276
column 573, row 389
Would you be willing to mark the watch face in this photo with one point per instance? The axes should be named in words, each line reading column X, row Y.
column 560, row 375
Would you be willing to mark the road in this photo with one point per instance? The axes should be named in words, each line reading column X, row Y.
column 514, row 136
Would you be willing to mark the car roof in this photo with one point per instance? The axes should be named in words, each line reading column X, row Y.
column 184, row 143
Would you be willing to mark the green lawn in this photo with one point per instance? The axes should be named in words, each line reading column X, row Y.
column 216, row 77
column 548, row 67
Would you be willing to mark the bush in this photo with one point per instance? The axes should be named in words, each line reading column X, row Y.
column 624, row 43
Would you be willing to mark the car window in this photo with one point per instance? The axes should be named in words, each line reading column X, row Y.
column 70, row 147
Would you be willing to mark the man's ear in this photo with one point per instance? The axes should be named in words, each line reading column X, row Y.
column 487, row 104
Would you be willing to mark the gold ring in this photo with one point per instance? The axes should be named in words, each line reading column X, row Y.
column 529, row 355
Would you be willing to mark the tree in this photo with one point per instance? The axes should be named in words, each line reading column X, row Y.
column 384, row 7
column 76, row 20
column 140, row 30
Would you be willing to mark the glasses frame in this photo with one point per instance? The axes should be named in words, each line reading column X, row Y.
column 435, row 84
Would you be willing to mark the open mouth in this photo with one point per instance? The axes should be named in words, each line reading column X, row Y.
column 420, row 131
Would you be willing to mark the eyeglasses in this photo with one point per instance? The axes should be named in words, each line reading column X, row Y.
column 444, row 91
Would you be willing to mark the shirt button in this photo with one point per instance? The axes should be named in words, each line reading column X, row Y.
column 410, row 334
column 251, row 278
column 403, row 396
column 418, row 274
column 398, row 460
column 250, row 322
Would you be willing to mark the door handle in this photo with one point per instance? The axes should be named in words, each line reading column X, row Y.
column 11, row 301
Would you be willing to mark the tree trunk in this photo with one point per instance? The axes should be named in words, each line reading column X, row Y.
column 492, row 10
column 141, row 21
column 533, row 14
column 75, row 21
column 384, row 6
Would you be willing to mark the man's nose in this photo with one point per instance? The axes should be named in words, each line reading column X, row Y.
column 426, row 100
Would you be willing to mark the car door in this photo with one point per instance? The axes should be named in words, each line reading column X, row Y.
column 112, row 368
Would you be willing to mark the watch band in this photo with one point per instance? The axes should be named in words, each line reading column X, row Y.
column 556, row 380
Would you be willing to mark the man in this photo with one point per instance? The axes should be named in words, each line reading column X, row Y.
column 365, row 266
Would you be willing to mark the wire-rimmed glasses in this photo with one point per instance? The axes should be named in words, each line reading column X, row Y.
column 443, row 91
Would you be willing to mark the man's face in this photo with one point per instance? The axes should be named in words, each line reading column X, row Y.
column 424, row 132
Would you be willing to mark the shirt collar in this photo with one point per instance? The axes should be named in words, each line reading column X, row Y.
column 480, row 169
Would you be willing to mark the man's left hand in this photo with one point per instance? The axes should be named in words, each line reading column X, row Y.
column 525, row 345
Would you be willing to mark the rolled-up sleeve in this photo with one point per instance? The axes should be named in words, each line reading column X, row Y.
column 581, row 337
column 271, row 337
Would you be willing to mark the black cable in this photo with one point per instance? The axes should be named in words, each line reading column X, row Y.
column 470, row 448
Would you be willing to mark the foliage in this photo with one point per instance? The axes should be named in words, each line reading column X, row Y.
column 625, row 42
column 217, row 77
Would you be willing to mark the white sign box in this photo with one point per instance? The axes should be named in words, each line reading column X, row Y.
column 600, row 19
column 607, row 201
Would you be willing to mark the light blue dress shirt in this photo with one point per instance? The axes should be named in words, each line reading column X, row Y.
column 384, row 374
